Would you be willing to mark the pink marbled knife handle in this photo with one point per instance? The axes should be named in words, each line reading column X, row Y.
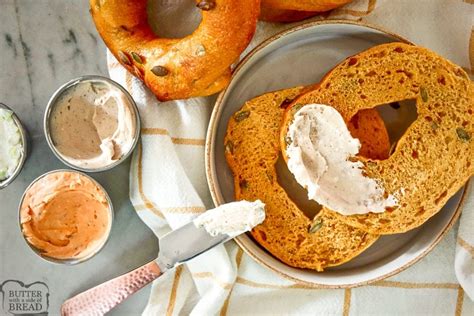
column 102, row 298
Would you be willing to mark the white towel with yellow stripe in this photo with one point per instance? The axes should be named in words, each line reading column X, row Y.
column 168, row 188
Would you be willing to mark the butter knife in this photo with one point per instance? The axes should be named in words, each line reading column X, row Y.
column 175, row 248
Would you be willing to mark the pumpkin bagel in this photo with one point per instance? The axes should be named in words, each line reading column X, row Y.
column 286, row 11
column 196, row 65
column 252, row 149
column 270, row 14
column 435, row 156
column 304, row 5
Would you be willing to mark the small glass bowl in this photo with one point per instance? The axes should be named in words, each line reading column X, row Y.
column 56, row 97
column 24, row 140
column 72, row 261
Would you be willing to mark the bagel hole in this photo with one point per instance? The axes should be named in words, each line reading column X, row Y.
column 173, row 19
column 295, row 192
column 397, row 117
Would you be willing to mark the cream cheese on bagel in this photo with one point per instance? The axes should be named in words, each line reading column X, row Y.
column 319, row 150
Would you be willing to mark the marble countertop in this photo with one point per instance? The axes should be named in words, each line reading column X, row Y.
column 43, row 44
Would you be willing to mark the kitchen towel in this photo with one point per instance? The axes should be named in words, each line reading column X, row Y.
column 168, row 188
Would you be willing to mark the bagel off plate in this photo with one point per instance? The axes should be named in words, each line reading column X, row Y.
column 301, row 56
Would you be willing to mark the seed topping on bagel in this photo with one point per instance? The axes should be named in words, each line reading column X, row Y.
column 206, row 5
column 198, row 64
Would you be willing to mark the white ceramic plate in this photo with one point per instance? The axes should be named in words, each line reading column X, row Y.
column 301, row 56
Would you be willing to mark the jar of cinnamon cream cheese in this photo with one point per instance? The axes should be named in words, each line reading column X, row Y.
column 92, row 124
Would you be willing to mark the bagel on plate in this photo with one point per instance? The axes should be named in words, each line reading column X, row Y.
column 435, row 156
column 252, row 149
column 196, row 65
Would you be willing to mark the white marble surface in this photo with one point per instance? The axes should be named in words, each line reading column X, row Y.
column 44, row 43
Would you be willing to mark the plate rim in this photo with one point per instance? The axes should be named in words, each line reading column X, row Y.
column 211, row 181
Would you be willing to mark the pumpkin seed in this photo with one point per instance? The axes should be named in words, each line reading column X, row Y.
column 160, row 71
column 297, row 107
column 463, row 134
column 370, row 162
column 124, row 58
column 424, row 94
column 240, row 116
column 229, row 147
column 206, row 5
column 392, row 148
column 316, row 225
column 200, row 51
column 269, row 175
column 434, row 126
column 137, row 58
column 285, row 103
column 138, row 72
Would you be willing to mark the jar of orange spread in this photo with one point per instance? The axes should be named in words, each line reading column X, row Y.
column 66, row 215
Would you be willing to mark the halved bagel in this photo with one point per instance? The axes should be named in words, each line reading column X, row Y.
column 435, row 156
column 252, row 149
column 195, row 65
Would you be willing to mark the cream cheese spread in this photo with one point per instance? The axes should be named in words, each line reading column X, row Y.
column 92, row 125
column 233, row 218
column 11, row 146
column 319, row 150
column 66, row 215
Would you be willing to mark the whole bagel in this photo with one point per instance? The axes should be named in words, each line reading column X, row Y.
column 304, row 5
column 435, row 156
column 252, row 149
column 270, row 14
column 196, row 65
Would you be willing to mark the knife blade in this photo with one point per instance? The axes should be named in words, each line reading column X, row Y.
column 184, row 244
column 175, row 248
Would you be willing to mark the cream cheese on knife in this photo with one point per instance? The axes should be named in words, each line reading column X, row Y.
column 233, row 218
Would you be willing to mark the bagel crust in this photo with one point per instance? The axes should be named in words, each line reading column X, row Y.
column 196, row 65
column 252, row 148
column 435, row 156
